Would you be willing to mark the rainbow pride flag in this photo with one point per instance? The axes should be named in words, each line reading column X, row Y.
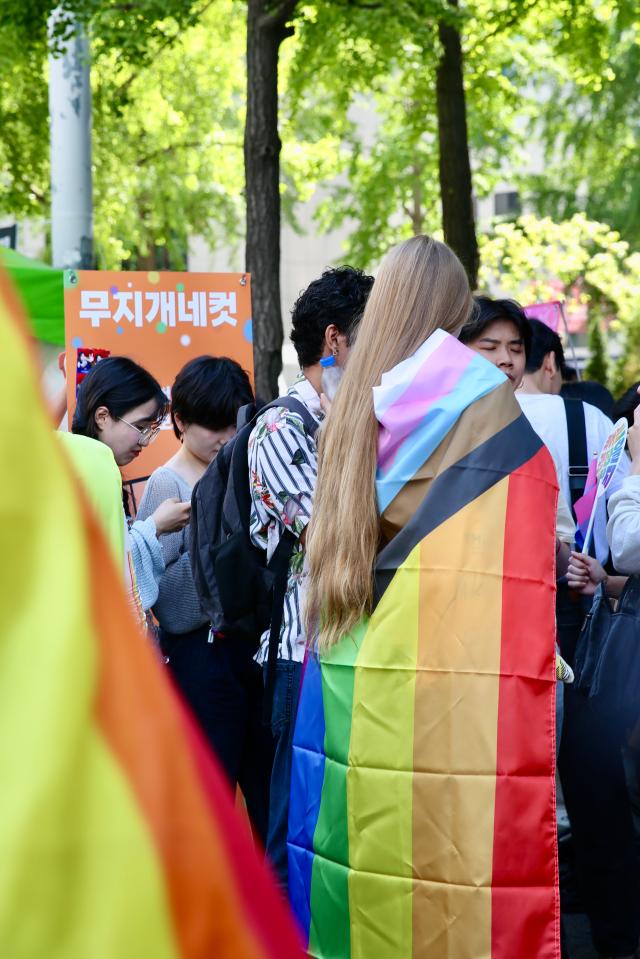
column 422, row 811
column 118, row 835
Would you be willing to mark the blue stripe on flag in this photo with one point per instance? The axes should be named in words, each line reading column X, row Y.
column 307, row 777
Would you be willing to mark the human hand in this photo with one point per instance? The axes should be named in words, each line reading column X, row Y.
column 584, row 573
column 171, row 516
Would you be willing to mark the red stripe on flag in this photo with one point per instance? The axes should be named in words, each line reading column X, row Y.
column 525, row 900
column 268, row 912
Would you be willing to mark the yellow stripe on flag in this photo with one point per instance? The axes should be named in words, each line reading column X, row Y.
column 79, row 874
column 379, row 779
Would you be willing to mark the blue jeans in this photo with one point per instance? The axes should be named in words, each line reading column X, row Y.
column 283, row 718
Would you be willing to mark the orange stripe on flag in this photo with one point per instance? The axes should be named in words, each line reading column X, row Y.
column 142, row 721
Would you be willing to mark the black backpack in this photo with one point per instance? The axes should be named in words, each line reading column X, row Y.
column 242, row 594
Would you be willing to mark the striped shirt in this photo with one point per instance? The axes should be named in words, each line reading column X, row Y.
column 283, row 466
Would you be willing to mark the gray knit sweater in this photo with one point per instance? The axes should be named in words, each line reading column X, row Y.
column 177, row 608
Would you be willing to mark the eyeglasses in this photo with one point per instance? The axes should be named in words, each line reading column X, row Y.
column 147, row 435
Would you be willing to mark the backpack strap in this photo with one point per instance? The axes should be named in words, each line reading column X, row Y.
column 290, row 403
column 578, row 457
column 245, row 415
column 279, row 564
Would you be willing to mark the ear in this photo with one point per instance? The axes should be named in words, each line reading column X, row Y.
column 179, row 423
column 101, row 416
column 332, row 338
column 549, row 364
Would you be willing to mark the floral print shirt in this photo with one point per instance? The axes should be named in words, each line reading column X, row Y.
column 283, row 466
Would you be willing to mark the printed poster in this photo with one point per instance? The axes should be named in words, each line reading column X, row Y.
column 161, row 320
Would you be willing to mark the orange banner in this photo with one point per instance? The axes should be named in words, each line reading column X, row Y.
column 160, row 320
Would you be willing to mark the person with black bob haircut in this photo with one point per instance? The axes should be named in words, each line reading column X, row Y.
column 121, row 405
column 208, row 392
column 336, row 299
column 499, row 331
column 205, row 399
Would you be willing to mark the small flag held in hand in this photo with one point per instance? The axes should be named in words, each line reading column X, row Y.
column 584, row 506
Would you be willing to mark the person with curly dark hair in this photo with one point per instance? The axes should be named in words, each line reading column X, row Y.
column 326, row 315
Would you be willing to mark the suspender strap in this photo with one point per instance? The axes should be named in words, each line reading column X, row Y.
column 578, row 457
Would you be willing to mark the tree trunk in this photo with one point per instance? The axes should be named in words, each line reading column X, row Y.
column 266, row 29
column 455, row 167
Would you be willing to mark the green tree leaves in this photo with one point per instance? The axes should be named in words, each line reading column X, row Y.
column 583, row 260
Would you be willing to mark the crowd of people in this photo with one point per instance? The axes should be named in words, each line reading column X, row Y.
column 310, row 474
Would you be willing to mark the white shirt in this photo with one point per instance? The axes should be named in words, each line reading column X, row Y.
column 546, row 414
column 624, row 526
column 283, row 467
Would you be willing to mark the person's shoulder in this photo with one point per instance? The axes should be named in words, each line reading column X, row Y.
column 85, row 450
column 160, row 475
column 543, row 408
column 597, row 418
column 166, row 478
column 542, row 400
column 276, row 421
column 166, row 472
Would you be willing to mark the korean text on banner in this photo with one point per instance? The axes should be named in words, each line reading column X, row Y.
column 160, row 320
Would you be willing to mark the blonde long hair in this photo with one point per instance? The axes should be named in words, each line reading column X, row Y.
column 421, row 286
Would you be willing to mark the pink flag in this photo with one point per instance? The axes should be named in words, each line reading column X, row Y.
column 584, row 506
column 547, row 313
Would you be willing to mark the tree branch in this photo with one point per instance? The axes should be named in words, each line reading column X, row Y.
column 362, row 4
column 168, row 41
column 188, row 145
column 279, row 16
column 40, row 197
column 503, row 25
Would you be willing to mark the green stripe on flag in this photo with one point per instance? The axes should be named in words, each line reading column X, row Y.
column 329, row 935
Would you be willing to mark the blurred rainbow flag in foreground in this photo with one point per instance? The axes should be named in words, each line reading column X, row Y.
column 422, row 813
column 118, row 835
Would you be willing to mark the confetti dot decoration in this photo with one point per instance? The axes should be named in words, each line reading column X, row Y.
column 153, row 276
column 113, row 291
column 247, row 331
column 180, row 287
column 119, row 330
column 185, row 340
column 76, row 342
column 161, row 327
